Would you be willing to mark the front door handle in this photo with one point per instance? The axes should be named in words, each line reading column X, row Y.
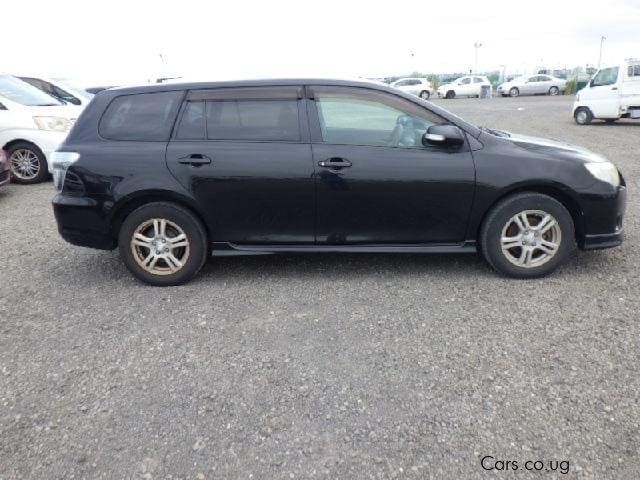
column 195, row 159
column 335, row 162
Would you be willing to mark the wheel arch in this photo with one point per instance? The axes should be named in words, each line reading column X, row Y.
column 556, row 192
column 126, row 206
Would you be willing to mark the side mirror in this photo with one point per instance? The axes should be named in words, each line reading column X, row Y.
column 443, row 135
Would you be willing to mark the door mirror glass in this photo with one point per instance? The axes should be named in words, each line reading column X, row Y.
column 443, row 135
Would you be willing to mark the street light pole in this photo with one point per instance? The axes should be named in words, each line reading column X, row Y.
column 477, row 45
column 602, row 39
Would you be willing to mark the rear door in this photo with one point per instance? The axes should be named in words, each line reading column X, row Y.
column 376, row 183
column 244, row 154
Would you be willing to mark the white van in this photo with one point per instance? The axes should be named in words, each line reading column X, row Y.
column 613, row 93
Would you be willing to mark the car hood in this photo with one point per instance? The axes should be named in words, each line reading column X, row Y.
column 554, row 149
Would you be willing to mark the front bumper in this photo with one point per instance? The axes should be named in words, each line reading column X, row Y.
column 82, row 221
column 604, row 220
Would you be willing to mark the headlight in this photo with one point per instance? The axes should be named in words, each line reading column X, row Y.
column 55, row 124
column 604, row 171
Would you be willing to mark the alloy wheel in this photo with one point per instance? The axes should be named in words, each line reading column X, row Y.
column 25, row 164
column 160, row 246
column 531, row 238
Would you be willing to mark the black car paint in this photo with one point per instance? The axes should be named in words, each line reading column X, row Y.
column 263, row 197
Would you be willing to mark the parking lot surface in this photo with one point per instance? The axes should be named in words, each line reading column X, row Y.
column 324, row 366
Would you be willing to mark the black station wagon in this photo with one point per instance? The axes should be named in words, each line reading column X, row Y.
column 171, row 174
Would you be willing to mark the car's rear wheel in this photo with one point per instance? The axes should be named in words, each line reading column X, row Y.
column 583, row 116
column 424, row 94
column 527, row 235
column 450, row 94
column 514, row 92
column 553, row 91
column 28, row 163
column 163, row 244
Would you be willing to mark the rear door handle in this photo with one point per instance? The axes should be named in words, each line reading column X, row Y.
column 335, row 162
column 195, row 159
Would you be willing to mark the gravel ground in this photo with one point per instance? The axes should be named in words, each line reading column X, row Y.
column 348, row 367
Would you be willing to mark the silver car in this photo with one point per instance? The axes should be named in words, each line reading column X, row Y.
column 415, row 86
column 533, row 85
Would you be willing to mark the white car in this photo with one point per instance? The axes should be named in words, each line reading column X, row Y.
column 467, row 86
column 32, row 125
column 420, row 87
column 613, row 93
column 533, row 85
column 61, row 89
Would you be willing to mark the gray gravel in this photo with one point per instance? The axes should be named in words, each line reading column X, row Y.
column 355, row 366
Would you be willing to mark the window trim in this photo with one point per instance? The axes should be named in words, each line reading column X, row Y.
column 371, row 94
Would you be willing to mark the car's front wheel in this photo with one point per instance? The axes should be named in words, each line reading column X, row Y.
column 583, row 116
column 425, row 94
column 514, row 92
column 450, row 94
column 163, row 244
column 527, row 235
column 553, row 91
column 28, row 163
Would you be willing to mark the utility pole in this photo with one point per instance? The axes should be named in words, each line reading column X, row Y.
column 477, row 45
column 602, row 39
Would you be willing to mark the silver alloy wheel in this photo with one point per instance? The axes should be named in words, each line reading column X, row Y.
column 582, row 117
column 514, row 92
column 553, row 91
column 424, row 95
column 25, row 164
column 531, row 238
column 160, row 246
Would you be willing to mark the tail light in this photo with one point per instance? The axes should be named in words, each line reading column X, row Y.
column 60, row 162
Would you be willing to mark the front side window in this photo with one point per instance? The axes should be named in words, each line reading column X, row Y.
column 259, row 120
column 145, row 117
column 633, row 71
column 606, row 76
column 374, row 119
column 465, row 81
column 477, row 80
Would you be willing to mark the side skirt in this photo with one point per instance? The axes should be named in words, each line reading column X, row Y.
column 225, row 249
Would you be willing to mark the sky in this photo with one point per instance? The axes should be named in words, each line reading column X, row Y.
column 113, row 42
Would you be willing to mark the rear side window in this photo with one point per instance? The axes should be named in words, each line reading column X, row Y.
column 192, row 122
column 144, row 117
column 266, row 120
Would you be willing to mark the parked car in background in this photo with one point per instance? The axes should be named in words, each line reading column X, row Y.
column 171, row 173
column 467, row 86
column 32, row 125
column 613, row 93
column 420, row 87
column 60, row 89
column 5, row 171
column 533, row 85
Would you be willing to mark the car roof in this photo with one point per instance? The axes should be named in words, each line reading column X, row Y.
column 276, row 82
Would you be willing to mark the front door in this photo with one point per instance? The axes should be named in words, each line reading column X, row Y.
column 244, row 155
column 603, row 94
column 375, row 181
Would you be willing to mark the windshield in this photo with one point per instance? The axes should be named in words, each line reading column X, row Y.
column 21, row 92
column 73, row 88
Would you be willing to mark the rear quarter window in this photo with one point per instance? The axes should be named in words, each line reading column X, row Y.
column 145, row 117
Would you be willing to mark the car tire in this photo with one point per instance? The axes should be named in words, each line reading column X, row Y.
column 163, row 244
column 450, row 94
column 583, row 116
column 514, row 92
column 527, row 235
column 553, row 91
column 424, row 94
column 28, row 164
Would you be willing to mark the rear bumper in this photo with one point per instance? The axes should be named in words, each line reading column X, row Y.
column 81, row 221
